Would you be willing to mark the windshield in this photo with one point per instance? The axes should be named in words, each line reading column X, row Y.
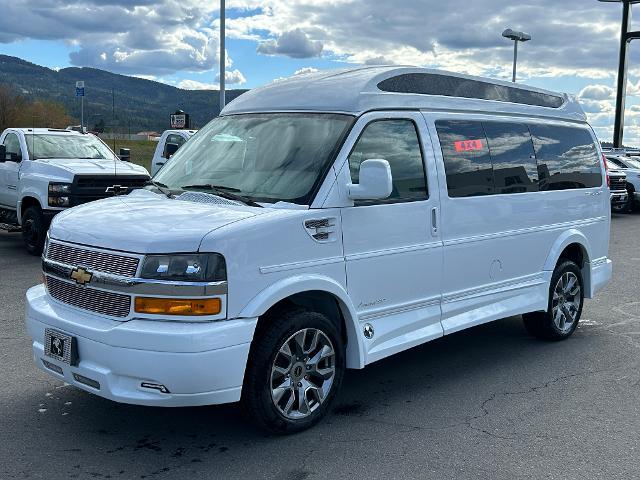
column 43, row 146
column 263, row 157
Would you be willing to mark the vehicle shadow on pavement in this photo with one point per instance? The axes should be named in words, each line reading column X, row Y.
column 95, row 437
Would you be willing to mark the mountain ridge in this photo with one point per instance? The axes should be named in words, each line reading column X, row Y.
column 140, row 104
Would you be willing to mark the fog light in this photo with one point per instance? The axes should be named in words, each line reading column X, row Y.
column 178, row 306
column 58, row 201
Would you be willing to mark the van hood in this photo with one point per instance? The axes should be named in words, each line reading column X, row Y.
column 95, row 166
column 146, row 222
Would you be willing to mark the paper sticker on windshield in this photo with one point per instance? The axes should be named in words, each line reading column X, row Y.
column 468, row 145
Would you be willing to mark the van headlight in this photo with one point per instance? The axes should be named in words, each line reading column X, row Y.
column 196, row 267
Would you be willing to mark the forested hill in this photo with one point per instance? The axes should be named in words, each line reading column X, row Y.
column 139, row 104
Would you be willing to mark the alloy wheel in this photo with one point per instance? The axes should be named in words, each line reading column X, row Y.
column 302, row 373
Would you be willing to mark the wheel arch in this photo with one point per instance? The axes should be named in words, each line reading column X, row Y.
column 317, row 293
column 573, row 245
column 27, row 201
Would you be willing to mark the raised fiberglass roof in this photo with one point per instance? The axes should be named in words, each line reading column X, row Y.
column 362, row 89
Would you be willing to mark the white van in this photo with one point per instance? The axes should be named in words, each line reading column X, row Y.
column 321, row 223
column 168, row 144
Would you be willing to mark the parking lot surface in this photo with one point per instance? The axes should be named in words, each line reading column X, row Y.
column 490, row 402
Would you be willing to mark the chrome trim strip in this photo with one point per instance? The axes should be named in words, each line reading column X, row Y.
column 523, row 231
column 397, row 309
column 137, row 286
column 297, row 265
column 393, row 251
column 500, row 287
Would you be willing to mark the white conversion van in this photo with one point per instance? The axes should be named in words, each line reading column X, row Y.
column 321, row 223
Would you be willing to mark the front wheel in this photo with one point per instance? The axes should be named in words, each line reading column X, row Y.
column 566, row 297
column 295, row 368
column 34, row 230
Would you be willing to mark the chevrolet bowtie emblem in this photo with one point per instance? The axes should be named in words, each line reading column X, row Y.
column 81, row 276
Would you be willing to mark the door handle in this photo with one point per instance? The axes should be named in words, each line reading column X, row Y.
column 434, row 221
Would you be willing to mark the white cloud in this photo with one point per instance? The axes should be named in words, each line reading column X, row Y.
column 195, row 85
column 233, row 77
column 294, row 43
column 305, row 70
column 597, row 92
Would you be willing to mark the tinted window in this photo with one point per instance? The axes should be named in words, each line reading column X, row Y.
column 514, row 163
column 395, row 141
column 466, row 158
column 450, row 86
column 567, row 157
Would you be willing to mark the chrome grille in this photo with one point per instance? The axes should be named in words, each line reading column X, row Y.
column 96, row 261
column 105, row 303
column 618, row 183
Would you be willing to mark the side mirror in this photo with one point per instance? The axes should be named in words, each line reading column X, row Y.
column 170, row 149
column 375, row 181
column 125, row 154
column 3, row 153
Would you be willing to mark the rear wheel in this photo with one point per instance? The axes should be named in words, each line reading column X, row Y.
column 34, row 230
column 566, row 297
column 295, row 368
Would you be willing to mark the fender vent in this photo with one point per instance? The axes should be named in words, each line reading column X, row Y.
column 321, row 229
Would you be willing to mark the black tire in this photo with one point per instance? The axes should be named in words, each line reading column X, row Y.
column 257, row 402
column 542, row 324
column 34, row 230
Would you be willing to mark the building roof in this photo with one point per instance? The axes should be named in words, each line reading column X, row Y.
column 361, row 89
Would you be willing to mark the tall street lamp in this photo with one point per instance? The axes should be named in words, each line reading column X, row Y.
column 516, row 37
column 626, row 36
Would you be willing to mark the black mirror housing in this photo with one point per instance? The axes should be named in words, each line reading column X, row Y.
column 170, row 149
column 125, row 154
column 3, row 153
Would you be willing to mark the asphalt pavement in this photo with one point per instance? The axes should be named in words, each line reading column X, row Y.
column 490, row 402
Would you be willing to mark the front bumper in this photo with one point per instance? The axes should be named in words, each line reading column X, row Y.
column 619, row 198
column 199, row 363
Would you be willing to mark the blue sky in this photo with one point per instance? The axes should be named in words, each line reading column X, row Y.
column 574, row 46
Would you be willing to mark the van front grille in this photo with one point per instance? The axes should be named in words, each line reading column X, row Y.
column 96, row 261
column 105, row 303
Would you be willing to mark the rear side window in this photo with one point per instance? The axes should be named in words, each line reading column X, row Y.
column 514, row 161
column 567, row 157
column 395, row 141
column 466, row 158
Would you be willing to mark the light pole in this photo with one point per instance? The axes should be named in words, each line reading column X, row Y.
column 222, row 54
column 626, row 36
column 516, row 37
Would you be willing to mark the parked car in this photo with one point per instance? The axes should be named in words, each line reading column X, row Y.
column 168, row 144
column 617, row 187
column 322, row 223
column 631, row 167
column 44, row 171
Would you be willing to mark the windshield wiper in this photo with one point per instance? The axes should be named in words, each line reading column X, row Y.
column 224, row 192
column 160, row 186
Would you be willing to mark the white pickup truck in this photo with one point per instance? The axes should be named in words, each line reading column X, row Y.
column 44, row 171
column 169, row 143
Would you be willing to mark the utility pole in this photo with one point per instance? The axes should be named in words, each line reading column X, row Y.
column 626, row 36
column 222, row 54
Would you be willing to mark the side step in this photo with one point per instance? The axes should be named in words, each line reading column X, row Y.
column 10, row 228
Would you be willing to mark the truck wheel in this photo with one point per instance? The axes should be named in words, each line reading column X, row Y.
column 566, row 297
column 34, row 230
column 295, row 368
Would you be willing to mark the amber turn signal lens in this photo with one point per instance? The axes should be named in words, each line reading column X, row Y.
column 178, row 306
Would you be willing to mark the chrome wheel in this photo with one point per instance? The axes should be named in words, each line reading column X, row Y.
column 302, row 373
column 566, row 302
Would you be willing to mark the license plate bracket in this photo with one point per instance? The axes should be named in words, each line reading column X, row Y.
column 61, row 347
